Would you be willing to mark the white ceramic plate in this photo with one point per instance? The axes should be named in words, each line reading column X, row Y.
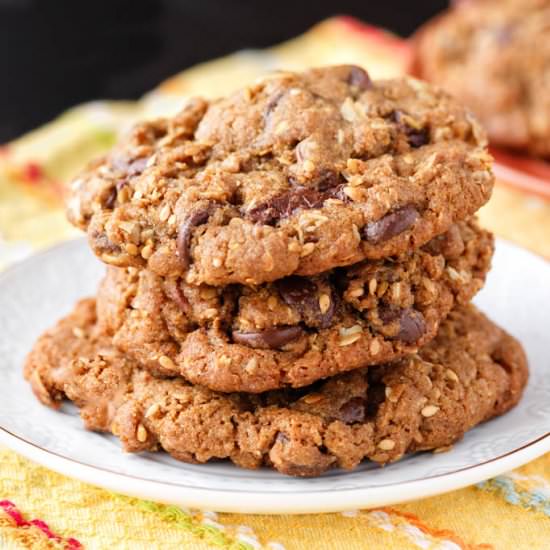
column 35, row 293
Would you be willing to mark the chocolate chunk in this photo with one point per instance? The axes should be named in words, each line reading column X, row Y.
column 412, row 326
column 296, row 290
column 411, row 322
column 270, row 338
column 353, row 410
column 329, row 182
column 324, row 320
column 130, row 167
column 110, row 201
column 416, row 137
column 284, row 205
column 185, row 231
column 304, row 295
column 390, row 225
column 377, row 395
column 359, row 78
column 450, row 244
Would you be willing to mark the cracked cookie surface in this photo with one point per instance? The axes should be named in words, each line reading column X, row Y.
column 297, row 174
column 494, row 55
column 471, row 372
column 296, row 330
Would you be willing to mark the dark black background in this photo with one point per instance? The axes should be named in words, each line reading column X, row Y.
column 57, row 53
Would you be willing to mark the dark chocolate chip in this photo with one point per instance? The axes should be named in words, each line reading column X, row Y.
column 329, row 181
column 284, row 205
column 359, row 78
column 185, row 231
column 270, row 338
column 303, row 295
column 353, row 410
column 416, row 137
column 296, row 290
column 137, row 166
column 324, row 320
column 110, row 201
column 412, row 325
column 391, row 224
column 130, row 167
column 377, row 395
column 450, row 244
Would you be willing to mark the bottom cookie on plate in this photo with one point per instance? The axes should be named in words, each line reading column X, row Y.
column 470, row 373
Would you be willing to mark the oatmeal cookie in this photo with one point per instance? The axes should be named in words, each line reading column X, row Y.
column 297, row 174
column 470, row 373
column 298, row 329
column 494, row 55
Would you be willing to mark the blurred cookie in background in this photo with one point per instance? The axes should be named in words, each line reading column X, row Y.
column 494, row 55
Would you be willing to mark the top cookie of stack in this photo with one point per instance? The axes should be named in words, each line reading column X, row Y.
column 297, row 174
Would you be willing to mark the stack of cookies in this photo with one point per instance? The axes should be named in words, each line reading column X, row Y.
column 288, row 282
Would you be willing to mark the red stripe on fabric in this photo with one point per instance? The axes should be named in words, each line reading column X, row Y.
column 11, row 510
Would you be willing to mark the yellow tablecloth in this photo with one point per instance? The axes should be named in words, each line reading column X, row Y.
column 41, row 509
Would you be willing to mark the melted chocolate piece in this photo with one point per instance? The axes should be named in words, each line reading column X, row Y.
column 130, row 167
column 377, row 395
column 270, row 338
column 353, row 410
column 450, row 244
column 359, row 78
column 134, row 168
column 411, row 322
column 284, row 205
column 303, row 295
column 412, row 326
column 199, row 217
column 296, row 290
column 330, row 181
column 416, row 137
column 110, row 201
column 391, row 224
